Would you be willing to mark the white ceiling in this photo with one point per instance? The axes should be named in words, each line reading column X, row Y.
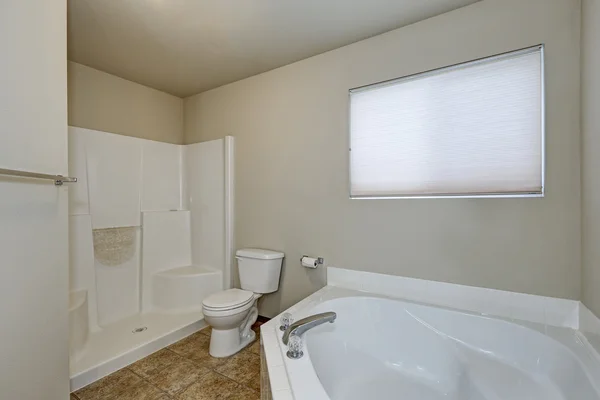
column 185, row 47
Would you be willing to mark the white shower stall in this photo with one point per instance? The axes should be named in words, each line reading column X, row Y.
column 150, row 230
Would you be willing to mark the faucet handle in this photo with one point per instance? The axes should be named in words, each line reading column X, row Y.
column 286, row 320
column 295, row 347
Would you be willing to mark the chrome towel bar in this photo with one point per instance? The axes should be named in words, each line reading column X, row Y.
column 58, row 179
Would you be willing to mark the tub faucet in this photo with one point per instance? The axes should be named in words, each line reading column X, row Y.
column 301, row 326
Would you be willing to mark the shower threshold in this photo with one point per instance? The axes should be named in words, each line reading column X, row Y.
column 126, row 341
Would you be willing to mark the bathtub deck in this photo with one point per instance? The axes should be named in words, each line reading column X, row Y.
column 115, row 346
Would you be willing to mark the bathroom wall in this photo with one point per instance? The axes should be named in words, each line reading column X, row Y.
column 34, row 337
column 291, row 129
column 590, row 86
column 105, row 102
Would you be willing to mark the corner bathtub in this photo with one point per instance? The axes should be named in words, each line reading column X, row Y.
column 380, row 348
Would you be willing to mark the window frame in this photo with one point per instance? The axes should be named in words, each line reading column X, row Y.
column 436, row 71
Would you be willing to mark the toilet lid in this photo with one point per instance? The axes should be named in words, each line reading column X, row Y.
column 228, row 299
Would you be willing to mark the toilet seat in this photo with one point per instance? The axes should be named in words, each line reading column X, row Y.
column 229, row 300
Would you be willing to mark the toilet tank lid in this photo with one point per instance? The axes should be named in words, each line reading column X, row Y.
column 260, row 254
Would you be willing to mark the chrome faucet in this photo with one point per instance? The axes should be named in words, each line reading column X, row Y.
column 301, row 326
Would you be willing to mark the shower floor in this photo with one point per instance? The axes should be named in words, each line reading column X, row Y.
column 116, row 345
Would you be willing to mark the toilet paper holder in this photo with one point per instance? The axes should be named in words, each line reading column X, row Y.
column 319, row 260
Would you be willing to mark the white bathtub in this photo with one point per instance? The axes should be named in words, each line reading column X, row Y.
column 381, row 348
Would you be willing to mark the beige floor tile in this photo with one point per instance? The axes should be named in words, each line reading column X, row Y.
column 254, row 347
column 202, row 356
column 244, row 394
column 206, row 331
column 142, row 391
column 195, row 348
column 204, row 359
column 178, row 376
column 189, row 346
column 154, row 363
column 186, row 371
column 109, row 387
column 253, row 382
column 211, row 386
column 240, row 367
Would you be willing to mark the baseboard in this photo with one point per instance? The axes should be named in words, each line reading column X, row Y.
column 262, row 319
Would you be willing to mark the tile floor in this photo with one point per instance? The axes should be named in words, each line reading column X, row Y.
column 183, row 371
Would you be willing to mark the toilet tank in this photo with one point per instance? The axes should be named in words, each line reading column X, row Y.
column 259, row 269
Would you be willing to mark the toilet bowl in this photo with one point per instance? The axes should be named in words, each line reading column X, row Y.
column 231, row 313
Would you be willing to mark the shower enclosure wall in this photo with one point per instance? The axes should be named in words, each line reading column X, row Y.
column 150, row 238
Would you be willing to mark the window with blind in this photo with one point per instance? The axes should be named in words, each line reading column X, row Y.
column 470, row 130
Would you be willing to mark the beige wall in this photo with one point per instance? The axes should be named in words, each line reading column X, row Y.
column 34, row 338
column 591, row 153
column 104, row 102
column 291, row 129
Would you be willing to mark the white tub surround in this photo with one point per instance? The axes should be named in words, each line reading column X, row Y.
column 170, row 281
column 82, row 274
column 517, row 306
column 114, row 177
column 161, row 176
column 381, row 344
column 78, row 323
column 182, row 289
column 165, row 210
column 208, row 193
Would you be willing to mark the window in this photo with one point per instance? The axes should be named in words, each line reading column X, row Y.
column 474, row 129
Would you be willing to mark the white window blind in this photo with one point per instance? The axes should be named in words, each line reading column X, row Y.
column 472, row 129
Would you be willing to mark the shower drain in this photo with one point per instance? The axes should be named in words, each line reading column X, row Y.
column 140, row 329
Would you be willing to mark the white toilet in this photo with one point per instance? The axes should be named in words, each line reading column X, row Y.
column 231, row 313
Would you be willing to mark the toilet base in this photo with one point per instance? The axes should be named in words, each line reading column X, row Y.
column 231, row 330
column 225, row 343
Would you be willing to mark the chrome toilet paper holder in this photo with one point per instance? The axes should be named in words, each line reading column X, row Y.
column 320, row 260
